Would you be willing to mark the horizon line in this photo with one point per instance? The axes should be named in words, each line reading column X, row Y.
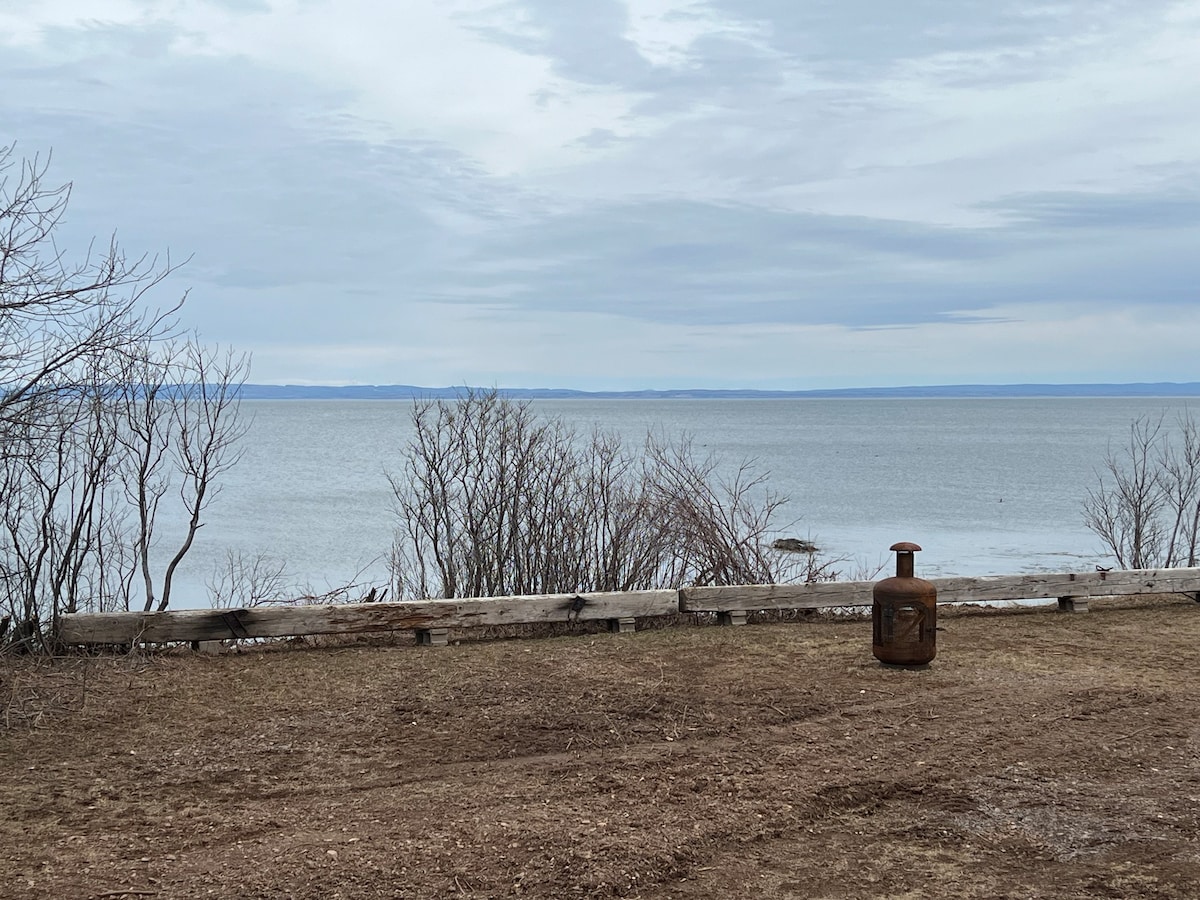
column 1169, row 389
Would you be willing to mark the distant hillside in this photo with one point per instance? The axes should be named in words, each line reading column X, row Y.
column 408, row 392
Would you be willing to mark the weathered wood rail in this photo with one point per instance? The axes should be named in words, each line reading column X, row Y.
column 431, row 619
column 1071, row 589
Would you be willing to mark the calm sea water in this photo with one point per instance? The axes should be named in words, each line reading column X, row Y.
column 984, row 486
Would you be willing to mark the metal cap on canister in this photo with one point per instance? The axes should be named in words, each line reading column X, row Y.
column 904, row 557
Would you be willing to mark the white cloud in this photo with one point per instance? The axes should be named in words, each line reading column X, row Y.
column 423, row 70
column 418, row 70
column 31, row 23
column 664, row 31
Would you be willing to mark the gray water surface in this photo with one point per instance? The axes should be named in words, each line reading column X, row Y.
column 985, row 486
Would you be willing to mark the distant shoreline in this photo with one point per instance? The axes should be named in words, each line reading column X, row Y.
column 1162, row 390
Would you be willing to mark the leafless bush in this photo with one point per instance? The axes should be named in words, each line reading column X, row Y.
column 356, row 590
column 180, row 426
column 1145, row 507
column 493, row 501
column 245, row 580
column 104, row 408
column 62, row 321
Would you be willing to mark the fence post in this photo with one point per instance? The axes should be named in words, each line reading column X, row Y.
column 433, row 637
column 1073, row 604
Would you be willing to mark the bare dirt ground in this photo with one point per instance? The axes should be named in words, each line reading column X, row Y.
column 1041, row 755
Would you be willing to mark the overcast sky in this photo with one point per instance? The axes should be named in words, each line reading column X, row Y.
column 607, row 194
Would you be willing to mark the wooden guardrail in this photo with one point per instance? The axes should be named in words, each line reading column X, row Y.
column 1071, row 589
column 430, row 619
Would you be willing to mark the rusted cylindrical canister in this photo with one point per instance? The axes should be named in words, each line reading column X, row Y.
column 904, row 614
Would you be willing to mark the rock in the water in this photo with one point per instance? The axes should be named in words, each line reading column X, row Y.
column 795, row 545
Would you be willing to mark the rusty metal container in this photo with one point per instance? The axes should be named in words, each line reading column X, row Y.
column 904, row 614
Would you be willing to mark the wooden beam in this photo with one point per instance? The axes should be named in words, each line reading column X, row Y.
column 1048, row 586
column 284, row 621
column 1071, row 584
column 775, row 596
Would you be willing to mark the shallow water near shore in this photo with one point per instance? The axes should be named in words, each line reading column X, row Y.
column 990, row 486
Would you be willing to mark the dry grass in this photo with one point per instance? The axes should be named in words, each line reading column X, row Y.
column 1040, row 755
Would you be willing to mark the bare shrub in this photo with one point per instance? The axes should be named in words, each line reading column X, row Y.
column 494, row 501
column 1145, row 507
column 246, row 580
column 719, row 524
column 104, row 408
column 180, row 426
